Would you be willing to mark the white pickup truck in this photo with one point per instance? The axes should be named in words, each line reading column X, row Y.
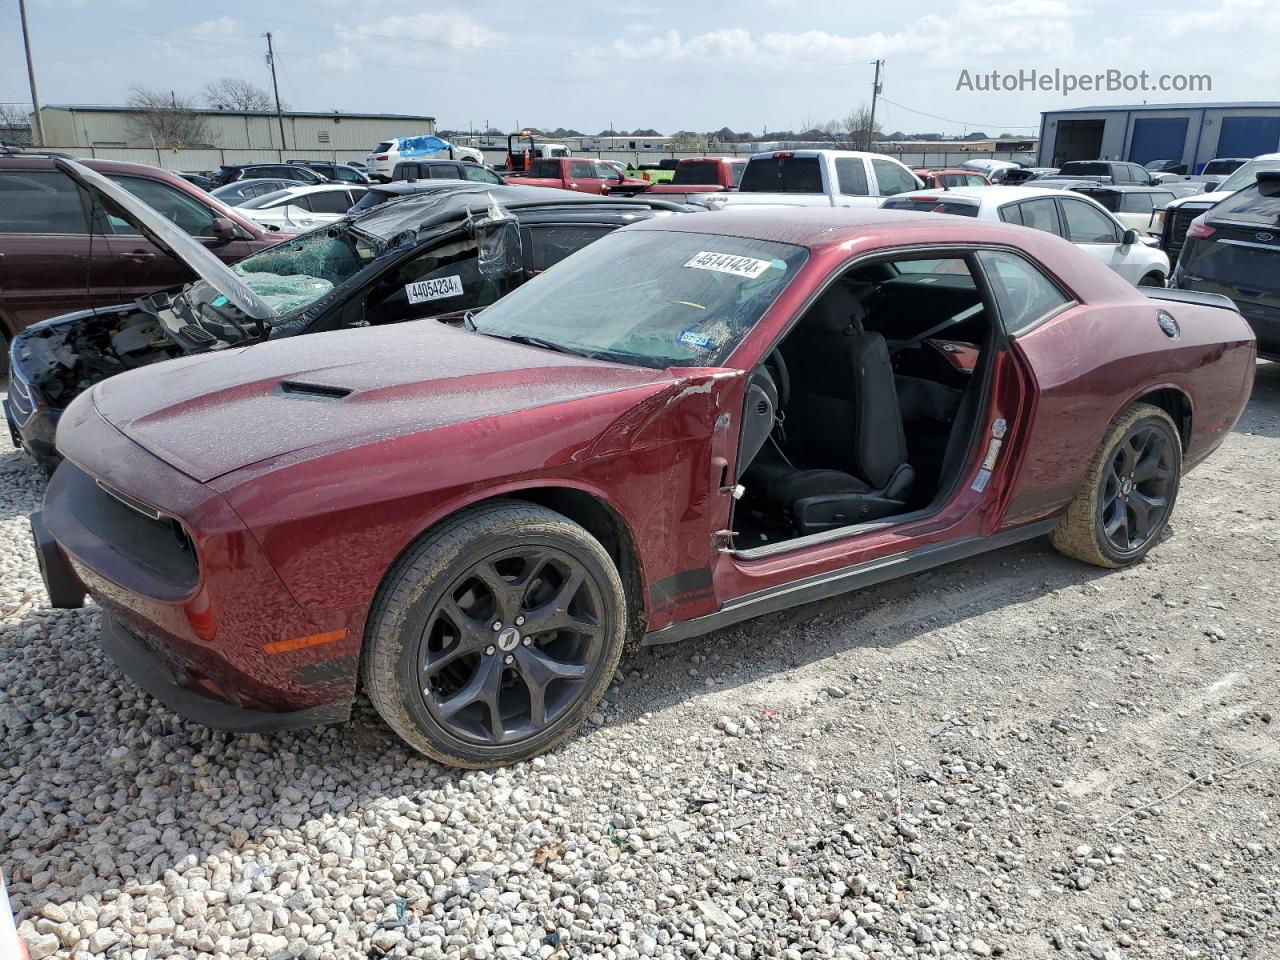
column 815, row 178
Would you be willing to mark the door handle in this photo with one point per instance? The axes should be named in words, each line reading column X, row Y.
column 139, row 256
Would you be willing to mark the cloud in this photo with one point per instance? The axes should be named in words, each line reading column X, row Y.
column 453, row 29
column 1027, row 27
column 340, row 59
column 219, row 28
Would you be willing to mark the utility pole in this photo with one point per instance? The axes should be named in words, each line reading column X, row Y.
column 271, row 60
column 31, row 76
column 875, row 92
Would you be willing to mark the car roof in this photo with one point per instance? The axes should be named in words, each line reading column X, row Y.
column 1126, row 187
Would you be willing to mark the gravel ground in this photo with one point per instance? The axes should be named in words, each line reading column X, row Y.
column 1016, row 755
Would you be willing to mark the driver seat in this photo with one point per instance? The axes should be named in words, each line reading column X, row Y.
column 844, row 415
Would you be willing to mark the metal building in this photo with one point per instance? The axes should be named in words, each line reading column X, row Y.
column 1190, row 133
column 83, row 127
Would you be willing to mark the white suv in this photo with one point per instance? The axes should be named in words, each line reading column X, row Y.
column 382, row 159
column 1072, row 216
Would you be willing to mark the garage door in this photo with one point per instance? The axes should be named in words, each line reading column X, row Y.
column 1158, row 138
column 1248, row 136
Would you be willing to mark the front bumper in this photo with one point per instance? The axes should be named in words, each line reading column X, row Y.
column 132, row 655
column 192, row 608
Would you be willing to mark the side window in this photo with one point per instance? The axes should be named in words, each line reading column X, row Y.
column 1011, row 213
column 1022, row 291
column 331, row 201
column 1087, row 224
column 346, row 174
column 547, row 246
column 1161, row 200
column 740, row 168
column 479, row 174
column 356, row 194
column 303, row 202
column 892, row 178
column 41, row 201
column 443, row 171
column 974, row 181
column 442, row 280
column 606, row 172
column 1136, row 203
column 851, row 176
column 1041, row 214
column 582, row 169
column 170, row 202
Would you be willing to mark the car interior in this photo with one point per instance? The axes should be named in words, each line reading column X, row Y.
column 866, row 408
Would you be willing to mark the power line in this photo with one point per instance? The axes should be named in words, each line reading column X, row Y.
column 963, row 123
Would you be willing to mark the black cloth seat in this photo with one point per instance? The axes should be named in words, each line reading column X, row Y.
column 843, row 424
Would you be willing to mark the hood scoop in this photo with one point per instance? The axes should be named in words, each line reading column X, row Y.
column 297, row 390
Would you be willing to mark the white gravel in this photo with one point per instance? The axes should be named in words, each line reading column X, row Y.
column 970, row 762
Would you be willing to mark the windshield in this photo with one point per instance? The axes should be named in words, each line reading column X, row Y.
column 290, row 276
column 649, row 297
column 1218, row 168
column 1247, row 174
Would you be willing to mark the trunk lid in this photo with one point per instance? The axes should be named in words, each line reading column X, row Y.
column 211, row 414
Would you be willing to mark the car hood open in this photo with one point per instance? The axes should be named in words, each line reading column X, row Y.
column 168, row 237
column 214, row 413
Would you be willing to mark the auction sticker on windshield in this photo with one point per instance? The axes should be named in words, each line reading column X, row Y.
column 437, row 289
column 748, row 267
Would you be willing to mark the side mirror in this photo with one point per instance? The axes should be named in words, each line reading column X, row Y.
column 1130, row 237
column 224, row 230
column 1211, row 185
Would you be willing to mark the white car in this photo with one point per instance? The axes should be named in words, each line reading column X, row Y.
column 1083, row 221
column 303, row 207
column 382, row 159
column 814, row 178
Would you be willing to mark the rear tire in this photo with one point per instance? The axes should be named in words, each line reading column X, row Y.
column 495, row 635
column 1152, row 279
column 1128, row 493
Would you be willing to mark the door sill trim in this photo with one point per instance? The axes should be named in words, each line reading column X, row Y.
column 835, row 582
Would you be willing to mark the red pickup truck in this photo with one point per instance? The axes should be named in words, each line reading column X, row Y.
column 583, row 174
column 702, row 175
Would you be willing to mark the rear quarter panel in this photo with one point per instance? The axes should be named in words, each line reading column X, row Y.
column 1091, row 363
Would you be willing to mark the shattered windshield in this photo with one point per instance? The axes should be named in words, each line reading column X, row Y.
column 295, row 274
column 649, row 297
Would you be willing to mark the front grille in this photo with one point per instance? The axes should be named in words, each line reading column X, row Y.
column 132, row 529
column 20, row 397
column 1176, row 222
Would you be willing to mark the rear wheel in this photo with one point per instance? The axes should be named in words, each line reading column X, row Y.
column 1128, row 493
column 495, row 635
column 1152, row 279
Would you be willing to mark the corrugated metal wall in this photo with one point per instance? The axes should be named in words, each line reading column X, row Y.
column 233, row 132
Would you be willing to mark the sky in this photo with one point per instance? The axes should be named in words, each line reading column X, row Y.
column 752, row 65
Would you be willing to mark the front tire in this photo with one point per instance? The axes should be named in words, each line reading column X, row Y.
column 1152, row 279
column 1129, row 491
column 495, row 635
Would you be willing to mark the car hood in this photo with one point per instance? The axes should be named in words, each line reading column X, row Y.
column 214, row 413
column 168, row 237
column 1198, row 199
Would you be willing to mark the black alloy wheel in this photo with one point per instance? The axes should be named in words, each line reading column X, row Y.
column 1136, row 489
column 495, row 634
column 511, row 645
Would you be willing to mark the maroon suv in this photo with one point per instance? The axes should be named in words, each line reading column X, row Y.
column 52, row 262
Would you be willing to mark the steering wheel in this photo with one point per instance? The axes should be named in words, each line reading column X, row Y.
column 776, row 367
column 919, row 338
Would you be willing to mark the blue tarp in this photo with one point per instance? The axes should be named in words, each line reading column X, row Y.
column 422, row 146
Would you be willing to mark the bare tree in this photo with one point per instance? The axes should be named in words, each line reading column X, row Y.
column 15, row 124
column 863, row 132
column 232, row 94
column 163, row 119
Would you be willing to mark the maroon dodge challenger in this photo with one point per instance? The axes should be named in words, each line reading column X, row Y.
column 689, row 423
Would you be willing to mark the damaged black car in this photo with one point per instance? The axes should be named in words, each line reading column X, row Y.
column 439, row 255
